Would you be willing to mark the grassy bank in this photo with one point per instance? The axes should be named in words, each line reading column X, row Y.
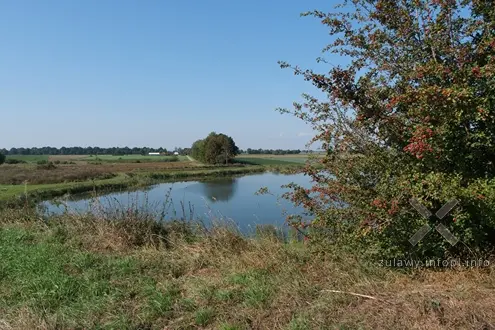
column 128, row 272
column 138, row 177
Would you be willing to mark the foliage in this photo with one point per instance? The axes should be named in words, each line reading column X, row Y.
column 215, row 149
column 25, row 158
column 14, row 161
column 2, row 158
column 410, row 115
column 44, row 165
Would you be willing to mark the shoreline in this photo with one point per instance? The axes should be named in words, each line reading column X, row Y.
column 15, row 195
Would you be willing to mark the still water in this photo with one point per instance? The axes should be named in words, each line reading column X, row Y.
column 231, row 199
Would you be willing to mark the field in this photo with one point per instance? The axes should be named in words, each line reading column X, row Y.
column 29, row 158
column 134, row 158
column 103, row 158
column 18, row 174
column 273, row 159
column 79, row 173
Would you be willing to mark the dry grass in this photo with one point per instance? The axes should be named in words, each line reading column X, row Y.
column 167, row 277
column 66, row 158
column 19, row 173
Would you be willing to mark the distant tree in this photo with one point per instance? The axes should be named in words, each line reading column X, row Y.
column 198, row 150
column 215, row 149
column 2, row 159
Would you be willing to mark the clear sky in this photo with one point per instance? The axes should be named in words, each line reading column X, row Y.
column 154, row 73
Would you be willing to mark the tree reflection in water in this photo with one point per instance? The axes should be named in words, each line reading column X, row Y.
column 219, row 189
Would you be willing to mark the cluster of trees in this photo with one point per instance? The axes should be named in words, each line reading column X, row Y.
column 2, row 158
column 215, row 149
column 87, row 151
column 411, row 115
column 272, row 151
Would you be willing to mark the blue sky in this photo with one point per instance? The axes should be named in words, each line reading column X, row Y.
column 154, row 73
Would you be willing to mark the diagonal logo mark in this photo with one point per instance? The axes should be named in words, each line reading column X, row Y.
column 444, row 210
column 420, row 208
column 419, row 235
column 445, row 232
column 440, row 228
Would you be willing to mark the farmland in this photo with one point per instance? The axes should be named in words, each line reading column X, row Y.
column 28, row 158
column 273, row 159
column 50, row 176
column 93, row 158
column 133, row 158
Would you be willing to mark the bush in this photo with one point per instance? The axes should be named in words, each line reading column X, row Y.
column 14, row 161
column 404, row 119
column 2, row 159
column 46, row 166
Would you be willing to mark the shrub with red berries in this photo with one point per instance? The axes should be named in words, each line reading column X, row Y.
column 410, row 116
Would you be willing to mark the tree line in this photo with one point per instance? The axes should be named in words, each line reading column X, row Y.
column 88, row 151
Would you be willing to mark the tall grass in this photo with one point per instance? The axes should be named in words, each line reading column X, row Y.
column 121, row 269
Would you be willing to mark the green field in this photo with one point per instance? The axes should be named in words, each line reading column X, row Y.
column 28, row 158
column 272, row 159
column 263, row 161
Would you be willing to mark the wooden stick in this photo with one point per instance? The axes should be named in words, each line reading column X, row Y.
column 356, row 294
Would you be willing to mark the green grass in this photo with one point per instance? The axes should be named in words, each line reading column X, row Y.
column 299, row 160
column 79, row 272
column 73, row 286
column 9, row 192
column 265, row 161
column 29, row 158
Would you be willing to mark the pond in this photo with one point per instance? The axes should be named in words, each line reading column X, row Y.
column 231, row 199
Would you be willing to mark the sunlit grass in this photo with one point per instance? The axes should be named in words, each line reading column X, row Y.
column 127, row 272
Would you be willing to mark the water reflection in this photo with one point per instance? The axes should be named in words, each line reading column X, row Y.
column 229, row 198
column 220, row 189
